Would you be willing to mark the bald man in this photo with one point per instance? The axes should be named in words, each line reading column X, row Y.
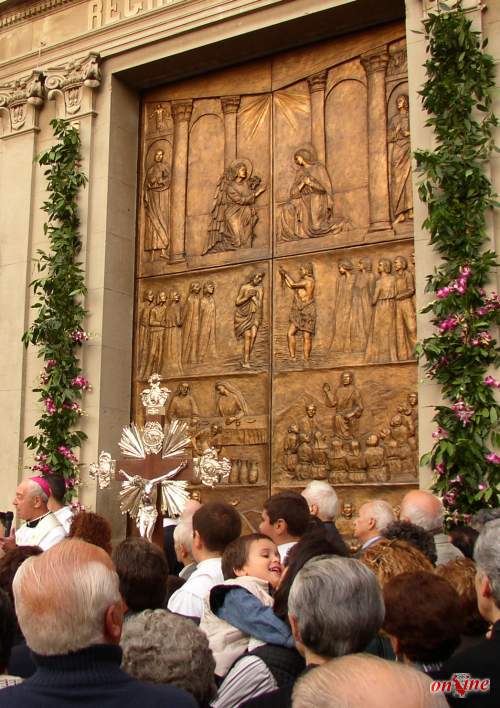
column 70, row 611
column 426, row 510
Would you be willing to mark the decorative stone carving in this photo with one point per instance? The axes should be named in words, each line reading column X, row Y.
column 400, row 162
column 70, row 81
column 16, row 98
column 398, row 61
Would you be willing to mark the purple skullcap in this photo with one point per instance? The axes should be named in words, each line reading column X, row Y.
column 42, row 483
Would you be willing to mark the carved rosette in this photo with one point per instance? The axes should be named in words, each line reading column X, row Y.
column 71, row 80
column 16, row 97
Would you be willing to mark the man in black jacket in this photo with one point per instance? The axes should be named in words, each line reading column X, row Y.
column 482, row 660
column 70, row 611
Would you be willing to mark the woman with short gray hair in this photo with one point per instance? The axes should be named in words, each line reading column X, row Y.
column 161, row 647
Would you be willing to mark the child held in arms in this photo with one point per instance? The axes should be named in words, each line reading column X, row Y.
column 238, row 616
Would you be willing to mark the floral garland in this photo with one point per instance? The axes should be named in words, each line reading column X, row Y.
column 58, row 330
column 458, row 193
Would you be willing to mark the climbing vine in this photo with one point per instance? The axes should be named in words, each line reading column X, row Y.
column 462, row 352
column 57, row 330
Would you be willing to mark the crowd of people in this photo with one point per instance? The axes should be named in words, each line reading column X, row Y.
column 284, row 616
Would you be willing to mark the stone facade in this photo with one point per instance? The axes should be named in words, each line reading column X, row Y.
column 96, row 57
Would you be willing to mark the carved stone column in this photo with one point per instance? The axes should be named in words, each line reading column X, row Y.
column 181, row 114
column 230, row 105
column 74, row 84
column 20, row 101
column 317, row 85
column 375, row 65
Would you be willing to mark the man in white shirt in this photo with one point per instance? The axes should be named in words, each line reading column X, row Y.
column 41, row 527
column 56, row 505
column 215, row 525
column 285, row 518
column 373, row 517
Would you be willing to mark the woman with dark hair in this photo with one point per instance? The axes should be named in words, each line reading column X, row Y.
column 92, row 528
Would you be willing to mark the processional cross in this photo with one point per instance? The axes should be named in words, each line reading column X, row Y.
column 152, row 457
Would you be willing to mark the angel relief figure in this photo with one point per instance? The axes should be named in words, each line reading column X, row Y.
column 309, row 211
column 234, row 216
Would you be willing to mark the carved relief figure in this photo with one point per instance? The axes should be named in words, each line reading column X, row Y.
column 191, row 324
column 348, row 407
column 308, row 424
column 157, row 333
column 183, row 405
column 309, row 212
column 230, row 404
column 207, row 348
column 362, row 294
column 356, row 463
column 303, row 311
column 233, row 214
column 381, row 344
column 375, row 460
column 249, row 309
column 143, row 319
column 158, row 115
column 290, row 448
column 157, row 208
column 400, row 160
column 342, row 340
column 173, row 334
column 406, row 322
column 304, row 456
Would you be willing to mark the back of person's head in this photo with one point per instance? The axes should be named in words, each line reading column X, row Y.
column 7, row 629
column 368, row 681
column 217, row 524
column 92, row 528
column 416, row 535
column 161, row 647
column 335, row 605
column 312, row 544
column 484, row 516
column 236, row 553
column 487, row 557
column 183, row 534
column 424, row 613
column 323, row 498
column 11, row 562
column 390, row 558
column 423, row 509
column 464, row 538
column 461, row 574
column 57, row 487
column 143, row 570
column 292, row 508
column 67, row 597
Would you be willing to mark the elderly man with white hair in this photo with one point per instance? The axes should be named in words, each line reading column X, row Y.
column 41, row 527
column 70, row 611
column 481, row 660
column 324, row 505
column 373, row 517
column 426, row 510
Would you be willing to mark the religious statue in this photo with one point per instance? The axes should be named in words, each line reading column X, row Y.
column 304, row 456
column 406, row 321
column 209, row 470
column 182, row 405
column 144, row 338
column 381, row 345
column 342, row 328
column 348, row 407
column 249, row 310
column 173, row 334
column 157, row 332
column 290, row 448
column 309, row 212
column 400, row 160
column 362, row 294
column 308, row 424
column 234, row 217
column 302, row 317
column 138, row 498
column 356, row 463
column 157, row 208
column 375, row 460
column 191, row 324
column 230, row 404
column 158, row 115
column 337, row 461
column 207, row 348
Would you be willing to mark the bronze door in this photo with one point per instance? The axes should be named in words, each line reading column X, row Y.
column 275, row 273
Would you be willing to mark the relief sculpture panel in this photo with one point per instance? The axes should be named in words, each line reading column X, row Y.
column 276, row 278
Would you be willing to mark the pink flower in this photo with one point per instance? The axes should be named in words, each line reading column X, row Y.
column 450, row 497
column 79, row 335
column 66, row 452
column 439, row 434
column 482, row 486
column 448, row 323
column 494, row 458
column 490, row 381
column 50, row 406
column 81, row 382
column 440, row 468
column 463, row 412
column 483, row 339
column 456, row 480
column 50, row 363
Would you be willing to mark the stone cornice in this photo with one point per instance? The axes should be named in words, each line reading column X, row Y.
column 28, row 11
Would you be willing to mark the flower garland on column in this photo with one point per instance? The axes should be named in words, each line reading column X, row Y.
column 458, row 193
column 58, row 330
